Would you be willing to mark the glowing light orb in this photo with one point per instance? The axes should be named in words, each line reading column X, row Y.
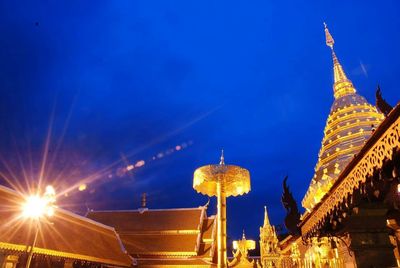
column 36, row 206
column 82, row 187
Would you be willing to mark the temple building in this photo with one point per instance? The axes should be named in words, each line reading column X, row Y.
column 269, row 244
column 352, row 204
column 64, row 240
column 164, row 237
column 351, row 219
column 349, row 125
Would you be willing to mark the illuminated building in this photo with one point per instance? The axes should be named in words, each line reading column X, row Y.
column 66, row 240
column 352, row 216
column 352, row 204
column 269, row 244
column 164, row 237
column 349, row 125
column 241, row 255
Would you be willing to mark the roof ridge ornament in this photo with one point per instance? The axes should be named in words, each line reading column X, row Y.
column 381, row 103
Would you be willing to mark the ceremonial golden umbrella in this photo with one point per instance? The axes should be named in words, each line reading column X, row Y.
column 221, row 181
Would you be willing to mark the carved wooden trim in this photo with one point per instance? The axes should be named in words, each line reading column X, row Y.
column 382, row 149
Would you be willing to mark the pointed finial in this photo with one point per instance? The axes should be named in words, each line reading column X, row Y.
column 329, row 39
column 266, row 219
column 222, row 161
column 243, row 236
column 342, row 85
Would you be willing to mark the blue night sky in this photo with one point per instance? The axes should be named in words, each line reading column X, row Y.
column 111, row 83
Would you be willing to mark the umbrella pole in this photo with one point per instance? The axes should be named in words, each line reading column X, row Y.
column 221, row 195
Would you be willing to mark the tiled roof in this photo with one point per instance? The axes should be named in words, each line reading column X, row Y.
column 65, row 234
column 173, row 233
column 183, row 244
column 150, row 220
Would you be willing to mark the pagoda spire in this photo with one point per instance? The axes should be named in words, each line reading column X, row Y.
column 269, row 244
column 350, row 123
column 266, row 219
column 342, row 85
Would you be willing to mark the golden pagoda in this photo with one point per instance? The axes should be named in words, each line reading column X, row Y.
column 350, row 123
column 269, row 244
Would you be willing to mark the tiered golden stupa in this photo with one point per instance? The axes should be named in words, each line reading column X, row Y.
column 350, row 123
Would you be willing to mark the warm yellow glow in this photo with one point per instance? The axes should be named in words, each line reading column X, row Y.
column 50, row 211
column 235, row 245
column 82, row 187
column 398, row 188
column 50, row 191
column 37, row 206
column 34, row 207
column 246, row 244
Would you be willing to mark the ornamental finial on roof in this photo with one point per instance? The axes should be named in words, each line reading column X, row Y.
column 329, row 39
column 222, row 162
column 266, row 218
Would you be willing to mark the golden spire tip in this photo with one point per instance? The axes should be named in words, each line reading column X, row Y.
column 329, row 39
column 222, row 159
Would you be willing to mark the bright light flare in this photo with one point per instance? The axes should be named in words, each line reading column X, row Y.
column 37, row 206
column 34, row 207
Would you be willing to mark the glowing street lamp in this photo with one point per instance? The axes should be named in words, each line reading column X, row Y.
column 221, row 181
column 36, row 207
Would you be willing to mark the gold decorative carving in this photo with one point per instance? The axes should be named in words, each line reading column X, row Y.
column 373, row 158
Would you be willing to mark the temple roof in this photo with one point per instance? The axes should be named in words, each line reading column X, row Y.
column 146, row 220
column 350, row 123
column 160, row 233
column 64, row 235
